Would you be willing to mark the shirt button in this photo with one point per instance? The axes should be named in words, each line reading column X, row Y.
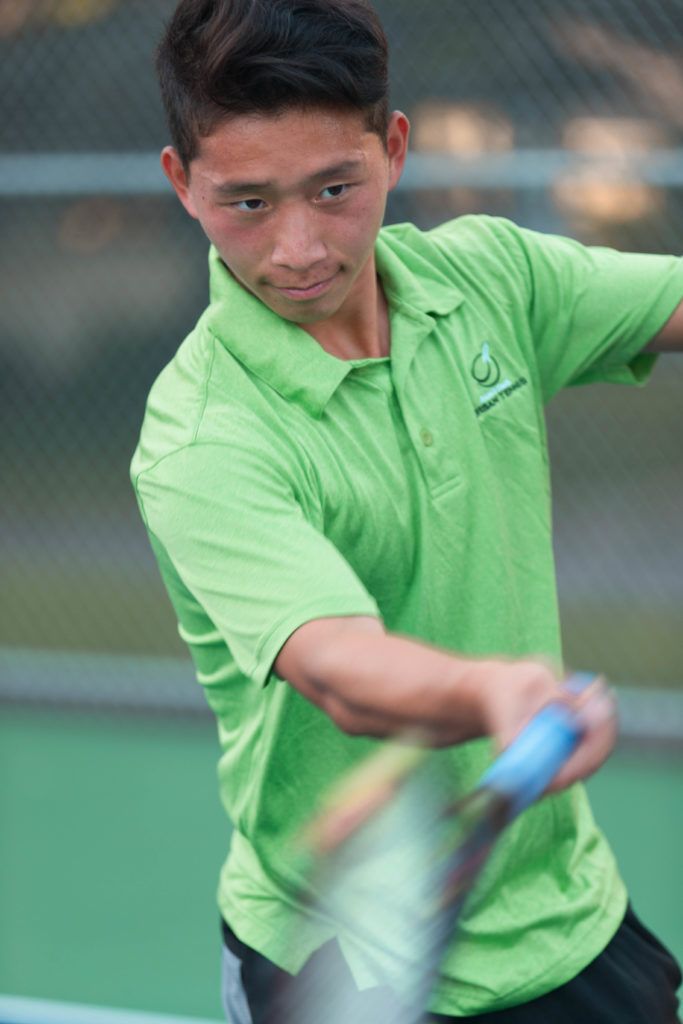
column 426, row 437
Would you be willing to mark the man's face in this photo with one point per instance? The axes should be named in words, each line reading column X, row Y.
column 293, row 203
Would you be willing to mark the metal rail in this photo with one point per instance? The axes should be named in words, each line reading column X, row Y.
column 167, row 686
column 46, row 175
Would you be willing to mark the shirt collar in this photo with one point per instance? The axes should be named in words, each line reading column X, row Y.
column 287, row 357
column 275, row 350
column 410, row 268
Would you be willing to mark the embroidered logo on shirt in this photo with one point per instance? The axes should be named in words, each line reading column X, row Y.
column 485, row 368
column 486, row 372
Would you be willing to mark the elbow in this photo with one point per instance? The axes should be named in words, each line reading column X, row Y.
column 317, row 653
column 347, row 719
column 355, row 721
column 324, row 660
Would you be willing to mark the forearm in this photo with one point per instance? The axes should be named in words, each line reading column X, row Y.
column 381, row 684
column 375, row 683
column 670, row 337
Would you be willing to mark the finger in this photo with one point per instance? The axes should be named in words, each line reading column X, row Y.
column 597, row 718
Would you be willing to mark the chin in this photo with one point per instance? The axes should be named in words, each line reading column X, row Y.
column 311, row 316
column 306, row 313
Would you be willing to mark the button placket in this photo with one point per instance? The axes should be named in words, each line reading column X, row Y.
column 436, row 466
column 413, row 387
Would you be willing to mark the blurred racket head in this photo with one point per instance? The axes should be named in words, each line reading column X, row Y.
column 397, row 859
column 384, row 843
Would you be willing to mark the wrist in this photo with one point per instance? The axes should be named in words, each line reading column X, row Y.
column 504, row 695
column 469, row 697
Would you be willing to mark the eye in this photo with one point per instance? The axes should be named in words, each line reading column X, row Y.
column 248, row 205
column 334, row 191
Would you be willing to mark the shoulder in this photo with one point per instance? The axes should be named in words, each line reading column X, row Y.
column 492, row 251
column 470, row 251
column 176, row 401
column 464, row 238
column 198, row 399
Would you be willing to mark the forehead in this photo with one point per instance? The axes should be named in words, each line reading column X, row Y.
column 293, row 144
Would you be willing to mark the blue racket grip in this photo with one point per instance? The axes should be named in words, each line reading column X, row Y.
column 528, row 766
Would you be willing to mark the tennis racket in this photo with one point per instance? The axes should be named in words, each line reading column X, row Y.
column 397, row 858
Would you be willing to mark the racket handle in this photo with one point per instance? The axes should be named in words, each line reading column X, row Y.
column 527, row 767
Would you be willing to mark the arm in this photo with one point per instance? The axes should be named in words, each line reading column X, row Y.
column 670, row 338
column 371, row 682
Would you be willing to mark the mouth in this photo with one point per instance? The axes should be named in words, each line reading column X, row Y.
column 311, row 291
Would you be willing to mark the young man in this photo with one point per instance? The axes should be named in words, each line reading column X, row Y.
column 343, row 473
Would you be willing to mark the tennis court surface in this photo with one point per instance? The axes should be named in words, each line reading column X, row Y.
column 113, row 836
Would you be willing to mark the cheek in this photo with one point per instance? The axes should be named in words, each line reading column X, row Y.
column 240, row 246
column 360, row 229
column 371, row 211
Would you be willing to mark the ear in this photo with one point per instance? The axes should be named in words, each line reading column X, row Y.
column 398, row 133
column 174, row 169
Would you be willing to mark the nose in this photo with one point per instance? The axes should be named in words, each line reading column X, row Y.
column 298, row 245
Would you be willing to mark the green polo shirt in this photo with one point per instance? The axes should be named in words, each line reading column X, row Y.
column 280, row 484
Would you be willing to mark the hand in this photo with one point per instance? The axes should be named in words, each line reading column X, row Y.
column 513, row 692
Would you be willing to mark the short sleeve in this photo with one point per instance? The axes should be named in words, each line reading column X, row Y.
column 235, row 533
column 591, row 310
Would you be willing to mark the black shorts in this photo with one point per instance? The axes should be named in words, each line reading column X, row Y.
column 633, row 981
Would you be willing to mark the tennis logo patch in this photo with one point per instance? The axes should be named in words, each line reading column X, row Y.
column 486, row 372
column 485, row 369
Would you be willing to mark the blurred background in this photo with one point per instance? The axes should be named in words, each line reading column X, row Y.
column 564, row 115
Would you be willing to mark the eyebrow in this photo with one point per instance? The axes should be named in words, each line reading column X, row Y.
column 233, row 188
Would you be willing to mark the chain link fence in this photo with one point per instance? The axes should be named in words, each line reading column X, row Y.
column 564, row 115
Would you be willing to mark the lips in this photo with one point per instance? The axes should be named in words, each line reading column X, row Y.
column 308, row 291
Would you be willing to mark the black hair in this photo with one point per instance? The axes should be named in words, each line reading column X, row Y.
column 222, row 58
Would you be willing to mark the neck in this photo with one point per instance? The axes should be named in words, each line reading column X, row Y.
column 360, row 328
